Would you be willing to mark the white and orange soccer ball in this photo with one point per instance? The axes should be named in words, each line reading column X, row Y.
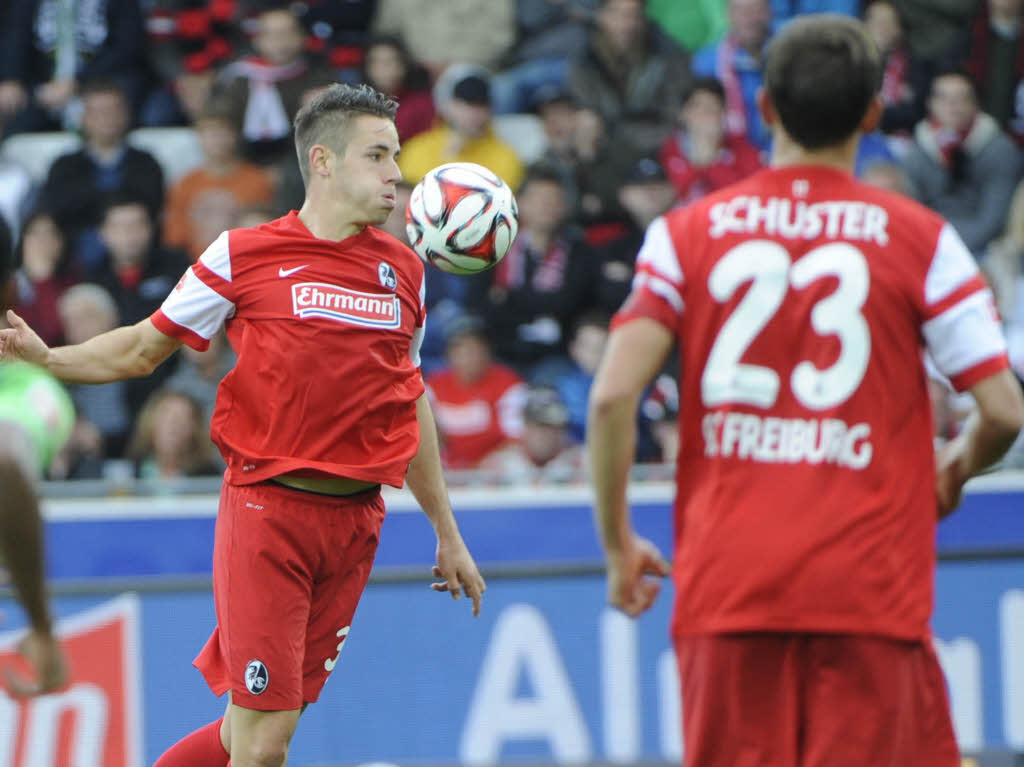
column 461, row 218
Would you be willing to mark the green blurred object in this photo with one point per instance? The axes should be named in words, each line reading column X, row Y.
column 694, row 23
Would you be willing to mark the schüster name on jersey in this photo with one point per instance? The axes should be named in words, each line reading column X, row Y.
column 318, row 299
column 779, row 216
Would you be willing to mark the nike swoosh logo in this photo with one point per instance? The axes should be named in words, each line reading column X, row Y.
column 282, row 272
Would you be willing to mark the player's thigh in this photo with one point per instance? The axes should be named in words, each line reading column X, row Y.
column 875, row 701
column 740, row 695
column 260, row 738
column 262, row 588
column 335, row 598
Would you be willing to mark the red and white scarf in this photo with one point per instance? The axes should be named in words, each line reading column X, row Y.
column 265, row 115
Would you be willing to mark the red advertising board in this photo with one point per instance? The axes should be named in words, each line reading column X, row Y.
column 95, row 720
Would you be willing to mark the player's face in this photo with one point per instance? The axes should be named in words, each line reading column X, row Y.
column 395, row 225
column 364, row 178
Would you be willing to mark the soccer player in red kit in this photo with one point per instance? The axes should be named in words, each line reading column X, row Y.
column 325, row 404
column 808, row 485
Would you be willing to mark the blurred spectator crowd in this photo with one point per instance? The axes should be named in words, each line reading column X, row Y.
column 135, row 131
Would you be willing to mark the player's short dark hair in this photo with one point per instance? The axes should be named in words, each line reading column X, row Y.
column 710, row 85
column 326, row 119
column 821, row 74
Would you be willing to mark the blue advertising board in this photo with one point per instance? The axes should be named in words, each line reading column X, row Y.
column 547, row 671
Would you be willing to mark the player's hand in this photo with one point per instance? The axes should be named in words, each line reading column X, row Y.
column 634, row 576
column 43, row 653
column 949, row 479
column 20, row 342
column 456, row 568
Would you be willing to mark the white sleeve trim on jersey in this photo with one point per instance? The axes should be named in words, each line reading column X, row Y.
column 217, row 257
column 416, row 343
column 423, row 291
column 951, row 266
column 660, row 287
column 659, row 255
column 965, row 334
column 197, row 307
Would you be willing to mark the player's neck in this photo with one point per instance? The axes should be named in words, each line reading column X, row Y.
column 326, row 223
column 786, row 152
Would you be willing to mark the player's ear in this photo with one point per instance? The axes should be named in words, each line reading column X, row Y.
column 873, row 115
column 320, row 160
column 765, row 107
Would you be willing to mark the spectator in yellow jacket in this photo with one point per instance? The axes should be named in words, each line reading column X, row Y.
column 465, row 132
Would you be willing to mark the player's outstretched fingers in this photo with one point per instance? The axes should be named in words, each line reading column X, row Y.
column 443, row 585
column 475, row 588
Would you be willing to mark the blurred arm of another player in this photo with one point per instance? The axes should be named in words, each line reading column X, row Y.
column 989, row 432
column 21, row 550
column 635, row 354
column 426, row 481
column 127, row 352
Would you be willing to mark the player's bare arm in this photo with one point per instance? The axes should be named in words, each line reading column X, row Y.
column 636, row 352
column 455, row 565
column 988, row 434
column 126, row 352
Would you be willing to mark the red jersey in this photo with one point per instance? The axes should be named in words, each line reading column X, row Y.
column 801, row 299
column 476, row 419
column 327, row 336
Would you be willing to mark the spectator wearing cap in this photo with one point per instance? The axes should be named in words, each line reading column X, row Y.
column 701, row 156
column 440, row 33
column 477, row 402
column 463, row 99
column 206, row 201
column 267, row 89
column 632, row 75
column 646, row 193
column 530, row 298
column 545, row 452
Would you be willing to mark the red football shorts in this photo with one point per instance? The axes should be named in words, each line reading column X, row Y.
column 813, row 700
column 288, row 570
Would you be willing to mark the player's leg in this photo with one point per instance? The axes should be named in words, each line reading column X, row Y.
column 876, row 701
column 741, row 701
column 260, row 738
column 352, row 534
column 262, row 587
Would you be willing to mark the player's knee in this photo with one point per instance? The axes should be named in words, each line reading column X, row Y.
column 265, row 751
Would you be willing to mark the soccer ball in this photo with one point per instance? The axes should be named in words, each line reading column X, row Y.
column 461, row 218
